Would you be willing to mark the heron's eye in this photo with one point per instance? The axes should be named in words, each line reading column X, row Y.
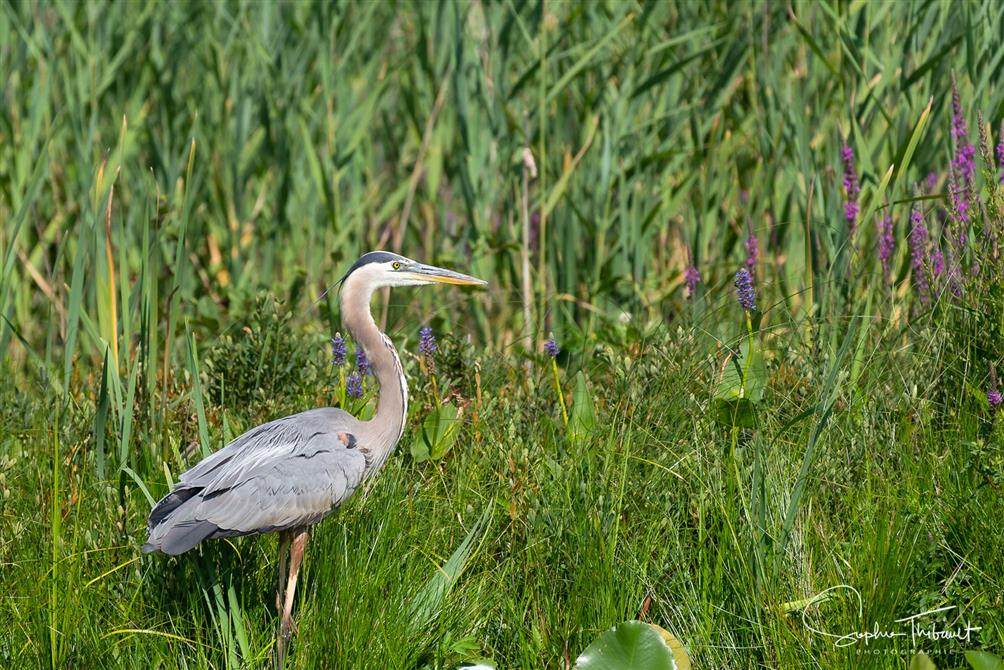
column 396, row 265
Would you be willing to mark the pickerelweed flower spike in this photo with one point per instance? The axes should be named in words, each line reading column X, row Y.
column 338, row 350
column 551, row 347
column 744, row 290
column 354, row 385
column 426, row 341
column 362, row 365
column 994, row 396
column 752, row 249
column 886, row 243
column 851, row 187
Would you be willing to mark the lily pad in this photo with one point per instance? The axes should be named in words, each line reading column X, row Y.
column 634, row 645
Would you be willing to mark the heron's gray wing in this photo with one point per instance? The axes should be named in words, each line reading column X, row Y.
column 283, row 474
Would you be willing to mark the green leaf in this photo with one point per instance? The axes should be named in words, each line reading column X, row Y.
column 734, row 403
column 982, row 660
column 922, row 662
column 420, row 448
column 634, row 645
column 439, row 432
column 582, row 421
column 445, row 431
column 738, row 412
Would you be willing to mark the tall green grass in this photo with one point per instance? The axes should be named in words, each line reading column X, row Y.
column 165, row 166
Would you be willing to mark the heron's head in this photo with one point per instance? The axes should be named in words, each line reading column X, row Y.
column 379, row 269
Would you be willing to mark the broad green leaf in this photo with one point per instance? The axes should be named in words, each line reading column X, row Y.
column 922, row 662
column 632, row 645
column 438, row 433
column 734, row 402
column 676, row 646
column 736, row 411
column 982, row 660
column 419, row 448
column 444, row 431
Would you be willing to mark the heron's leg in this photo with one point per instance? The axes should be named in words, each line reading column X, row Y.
column 297, row 549
column 285, row 538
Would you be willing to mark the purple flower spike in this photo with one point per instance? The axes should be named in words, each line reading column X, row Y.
column 1000, row 152
column 752, row 250
column 918, row 254
column 426, row 341
column 338, row 350
column 851, row 187
column 691, row 277
column 354, row 385
column 931, row 181
column 965, row 153
column 551, row 347
column 744, row 290
column 955, row 280
column 993, row 395
column 362, row 365
column 886, row 242
column 937, row 261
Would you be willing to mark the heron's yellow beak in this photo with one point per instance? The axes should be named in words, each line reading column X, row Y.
column 430, row 273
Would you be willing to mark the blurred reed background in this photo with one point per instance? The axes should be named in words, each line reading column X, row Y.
column 180, row 181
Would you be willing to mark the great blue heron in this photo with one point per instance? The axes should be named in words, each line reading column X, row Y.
column 290, row 473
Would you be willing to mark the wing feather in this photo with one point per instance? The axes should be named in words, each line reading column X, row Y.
column 285, row 473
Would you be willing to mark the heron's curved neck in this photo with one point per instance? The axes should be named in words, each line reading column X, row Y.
column 387, row 424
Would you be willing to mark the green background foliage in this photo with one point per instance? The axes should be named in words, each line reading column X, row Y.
column 179, row 182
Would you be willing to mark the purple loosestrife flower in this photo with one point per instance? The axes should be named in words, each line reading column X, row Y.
column 993, row 394
column 965, row 153
column 932, row 181
column 1000, row 152
column 338, row 350
column 954, row 276
column 426, row 341
column 937, row 261
column 752, row 250
column 959, row 202
column 886, row 242
column 362, row 365
column 551, row 347
column 691, row 277
column 354, row 385
column 744, row 290
column 851, row 187
column 918, row 254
